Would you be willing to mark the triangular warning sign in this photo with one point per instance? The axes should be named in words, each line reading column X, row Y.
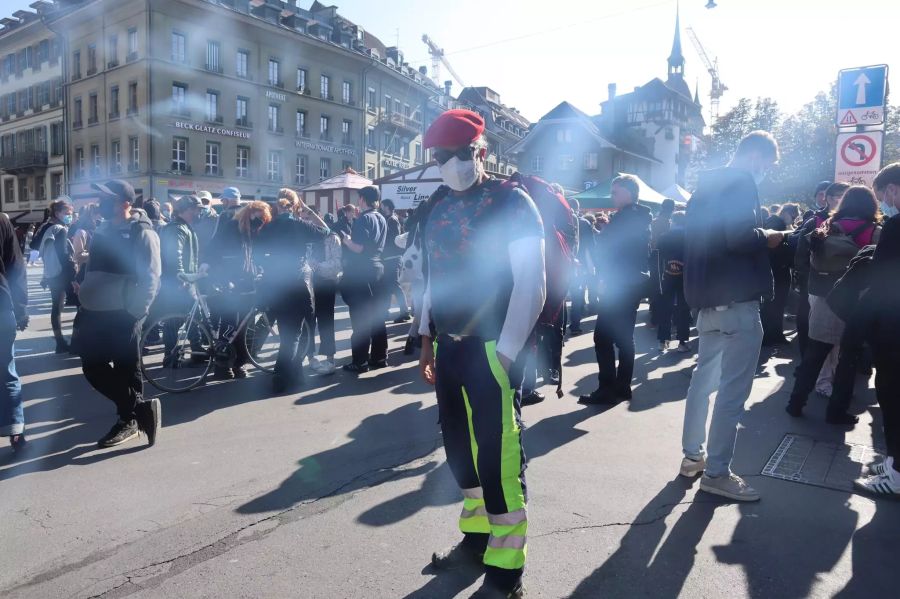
column 849, row 119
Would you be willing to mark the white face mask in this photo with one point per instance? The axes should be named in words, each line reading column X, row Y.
column 889, row 210
column 458, row 174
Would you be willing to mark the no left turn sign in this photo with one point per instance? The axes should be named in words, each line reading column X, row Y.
column 858, row 157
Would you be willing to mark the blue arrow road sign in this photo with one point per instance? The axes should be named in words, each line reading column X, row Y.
column 861, row 93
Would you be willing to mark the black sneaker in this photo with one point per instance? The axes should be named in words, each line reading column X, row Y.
column 62, row 347
column 794, row 410
column 403, row 318
column 535, row 397
column 378, row 364
column 224, row 373
column 599, row 398
column 356, row 368
column 149, row 418
column 842, row 419
column 461, row 554
column 408, row 347
column 623, row 393
column 18, row 442
column 121, row 432
column 490, row 592
column 239, row 372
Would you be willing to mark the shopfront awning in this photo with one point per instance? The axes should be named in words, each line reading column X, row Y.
column 598, row 197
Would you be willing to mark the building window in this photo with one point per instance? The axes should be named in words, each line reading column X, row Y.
column 92, row 59
column 387, row 103
column 114, row 102
column 179, row 99
column 134, row 154
column 301, row 123
column 132, row 98
column 590, row 161
column 418, row 153
column 564, row 136
column 301, row 80
column 370, row 138
column 115, row 156
column 274, row 74
column 179, row 47
column 406, row 111
column 213, row 51
column 57, row 147
column 23, row 189
column 324, row 168
column 179, row 154
column 387, row 143
column 76, row 114
column 40, row 189
column 346, row 138
column 396, row 106
column 324, row 127
column 92, row 109
column 76, row 65
column 212, row 158
column 240, row 112
column 566, row 161
column 132, row 44
column 537, row 164
column 43, row 94
column 212, row 106
column 9, row 191
column 242, row 162
column 346, row 93
column 370, row 170
column 325, row 87
column 273, row 166
column 43, row 53
column 56, row 185
column 241, row 62
column 300, row 170
column 112, row 51
column 95, row 160
column 273, row 118
column 346, row 165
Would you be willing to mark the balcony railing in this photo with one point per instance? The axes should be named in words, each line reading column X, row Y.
column 112, row 64
column 24, row 161
column 397, row 119
column 131, row 57
column 243, row 123
column 213, row 68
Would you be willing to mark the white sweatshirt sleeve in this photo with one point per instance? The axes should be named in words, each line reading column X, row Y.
column 528, row 295
column 425, row 322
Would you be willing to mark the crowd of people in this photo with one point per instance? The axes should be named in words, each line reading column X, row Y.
column 491, row 275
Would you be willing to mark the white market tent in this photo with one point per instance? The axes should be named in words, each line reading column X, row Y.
column 677, row 193
column 332, row 193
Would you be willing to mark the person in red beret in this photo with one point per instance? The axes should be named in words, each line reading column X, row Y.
column 484, row 242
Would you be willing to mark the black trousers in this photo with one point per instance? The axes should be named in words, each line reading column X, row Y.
column 887, row 390
column 57, row 288
column 392, row 289
column 844, row 377
column 673, row 306
column 482, row 439
column 802, row 320
column 291, row 308
column 615, row 329
column 656, row 292
column 109, row 345
column 324, row 291
column 772, row 311
column 364, row 295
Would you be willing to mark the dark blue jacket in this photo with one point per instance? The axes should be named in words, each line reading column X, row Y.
column 726, row 257
column 622, row 253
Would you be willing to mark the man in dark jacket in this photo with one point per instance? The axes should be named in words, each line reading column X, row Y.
column 726, row 274
column 622, row 256
column 392, row 255
column 583, row 269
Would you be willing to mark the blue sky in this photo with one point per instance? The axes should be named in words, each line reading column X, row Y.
column 536, row 54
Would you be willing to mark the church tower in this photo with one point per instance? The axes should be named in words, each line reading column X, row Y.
column 676, row 58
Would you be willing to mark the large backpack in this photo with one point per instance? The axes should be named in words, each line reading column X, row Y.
column 833, row 253
column 49, row 255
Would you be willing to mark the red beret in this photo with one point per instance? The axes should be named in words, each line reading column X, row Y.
column 454, row 128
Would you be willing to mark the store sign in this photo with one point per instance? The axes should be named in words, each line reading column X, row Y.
column 320, row 147
column 277, row 96
column 201, row 128
column 406, row 195
column 395, row 163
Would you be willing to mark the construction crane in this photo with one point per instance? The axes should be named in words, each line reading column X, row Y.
column 437, row 57
column 718, row 89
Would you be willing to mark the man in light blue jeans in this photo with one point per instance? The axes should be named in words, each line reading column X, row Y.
column 730, row 341
column 726, row 274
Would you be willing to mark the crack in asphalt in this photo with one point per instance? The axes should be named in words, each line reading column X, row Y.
column 647, row 522
column 185, row 561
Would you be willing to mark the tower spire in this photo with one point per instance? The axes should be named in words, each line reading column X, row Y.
column 676, row 58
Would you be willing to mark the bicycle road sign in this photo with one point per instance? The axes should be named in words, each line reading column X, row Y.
column 861, row 96
column 858, row 157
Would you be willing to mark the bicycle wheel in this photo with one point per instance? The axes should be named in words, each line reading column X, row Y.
column 262, row 340
column 188, row 358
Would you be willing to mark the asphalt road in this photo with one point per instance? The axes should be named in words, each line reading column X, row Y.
column 342, row 490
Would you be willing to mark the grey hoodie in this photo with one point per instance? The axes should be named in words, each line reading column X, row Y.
column 123, row 269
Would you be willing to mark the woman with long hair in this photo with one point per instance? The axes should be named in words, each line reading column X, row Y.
column 232, row 268
column 59, row 263
column 855, row 224
column 287, row 285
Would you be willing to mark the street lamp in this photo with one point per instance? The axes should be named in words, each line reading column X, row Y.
column 711, row 4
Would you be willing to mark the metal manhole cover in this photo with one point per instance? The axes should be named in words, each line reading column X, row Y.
column 827, row 464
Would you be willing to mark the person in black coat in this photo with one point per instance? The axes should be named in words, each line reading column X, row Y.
column 782, row 261
column 672, row 304
column 622, row 253
column 287, row 281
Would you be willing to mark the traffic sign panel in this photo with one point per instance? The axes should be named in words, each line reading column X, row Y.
column 858, row 157
column 861, row 94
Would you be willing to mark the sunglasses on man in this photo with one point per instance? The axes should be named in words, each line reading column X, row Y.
column 464, row 154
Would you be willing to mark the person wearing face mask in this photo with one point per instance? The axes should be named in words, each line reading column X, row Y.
column 233, row 268
column 206, row 223
column 60, row 267
column 120, row 284
column 362, row 286
column 726, row 274
column 485, row 288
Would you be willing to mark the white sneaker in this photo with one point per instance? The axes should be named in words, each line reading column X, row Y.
column 663, row 345
column 882, row 466
column 684, row 348
column 314, row 363
column 324, row 367
column 691, row 468
column 731, row 487
column 881, row 484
